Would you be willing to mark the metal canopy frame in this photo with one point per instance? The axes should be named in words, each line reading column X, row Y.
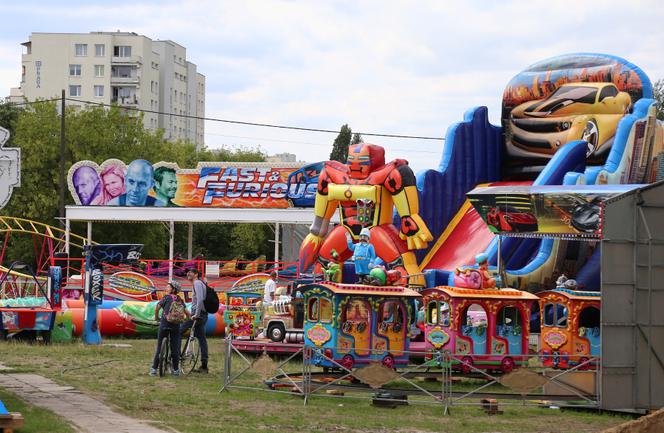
column 171, row 215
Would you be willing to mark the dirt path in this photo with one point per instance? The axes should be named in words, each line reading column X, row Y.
column 83, row 412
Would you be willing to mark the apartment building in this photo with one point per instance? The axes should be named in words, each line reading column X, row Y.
column 122, row 68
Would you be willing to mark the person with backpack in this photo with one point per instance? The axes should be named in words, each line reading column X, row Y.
column 175, row 313
column 199, row 315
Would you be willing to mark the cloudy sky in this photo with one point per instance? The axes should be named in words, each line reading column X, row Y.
column 394, row 67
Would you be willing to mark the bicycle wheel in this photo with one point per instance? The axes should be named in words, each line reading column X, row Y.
column 190, row 355
column 164, row 357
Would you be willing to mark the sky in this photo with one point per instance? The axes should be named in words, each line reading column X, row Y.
column 390, row 67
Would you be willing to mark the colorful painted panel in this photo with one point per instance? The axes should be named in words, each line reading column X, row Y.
column 558, row 210
column 566, row 98
column 238, row 185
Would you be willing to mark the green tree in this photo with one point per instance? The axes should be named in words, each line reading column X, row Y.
column 8, row 116
column 357, row 138
column 97, row 134
column 658, row 95
column 341, row 143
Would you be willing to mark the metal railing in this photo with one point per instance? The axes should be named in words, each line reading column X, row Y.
column 433, row 377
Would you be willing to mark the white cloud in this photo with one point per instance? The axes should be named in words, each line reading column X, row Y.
column 397, row 67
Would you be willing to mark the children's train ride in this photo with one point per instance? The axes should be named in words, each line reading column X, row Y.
column 570, row 328
column 486, row 329
column 358, row 324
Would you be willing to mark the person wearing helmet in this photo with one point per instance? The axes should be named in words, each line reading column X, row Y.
column 364, row 254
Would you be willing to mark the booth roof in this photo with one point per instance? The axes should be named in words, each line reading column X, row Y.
column 121, row 214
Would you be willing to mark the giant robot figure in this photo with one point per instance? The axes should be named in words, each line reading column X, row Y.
column 365, row 190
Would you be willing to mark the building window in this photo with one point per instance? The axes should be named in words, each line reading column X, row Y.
column 99, row 70
column 100, row 50
column 75, row 70
column 99, row 91
column 122, row 51
column 74, row 90
column 81, row 50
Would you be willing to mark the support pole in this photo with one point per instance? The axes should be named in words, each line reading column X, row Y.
column 276, row 245
column 171, row 245
column 67, row 235
column 89, row 232
column 190, row 241
column 499, row 262
column 61, row 203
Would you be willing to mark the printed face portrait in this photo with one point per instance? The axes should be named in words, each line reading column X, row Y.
column 166, row 183
column 138, row 182
column 86, row 182
column 113, row 184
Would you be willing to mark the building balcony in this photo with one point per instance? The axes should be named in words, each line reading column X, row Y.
column 125, row 80
column 125, row 101
column 132, row 60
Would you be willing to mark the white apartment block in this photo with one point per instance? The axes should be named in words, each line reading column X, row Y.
column 121, row 68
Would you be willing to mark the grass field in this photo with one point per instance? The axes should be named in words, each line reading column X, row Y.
column 118, row 376
column 37, row 420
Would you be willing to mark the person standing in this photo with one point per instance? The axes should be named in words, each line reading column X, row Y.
column 270, row 288
column 199, row 317
column 173, row 329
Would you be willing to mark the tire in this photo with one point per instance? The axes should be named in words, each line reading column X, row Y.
column 466, row 366
column 507, row 365
column 276, row 332
column 591, row 135
column 164, row 357
column 190, row 354
column 347, row 362
column 3, row 335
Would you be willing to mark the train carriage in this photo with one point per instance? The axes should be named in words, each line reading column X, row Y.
column 484, row 328
column 570, row 328
column 358, row 324
column 242, row 314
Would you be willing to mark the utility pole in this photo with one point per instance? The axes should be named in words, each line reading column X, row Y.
column 62, row 158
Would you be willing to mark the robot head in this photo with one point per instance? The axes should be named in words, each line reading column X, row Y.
column 365, row 234
column 364, row 158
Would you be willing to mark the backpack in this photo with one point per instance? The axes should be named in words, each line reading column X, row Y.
column 176, row 312
column 211, row 301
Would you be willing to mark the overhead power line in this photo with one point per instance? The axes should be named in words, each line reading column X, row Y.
column 39, row 101
column 243, row 137
column 264, row 125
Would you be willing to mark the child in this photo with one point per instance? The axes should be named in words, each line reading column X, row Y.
column 173, row 328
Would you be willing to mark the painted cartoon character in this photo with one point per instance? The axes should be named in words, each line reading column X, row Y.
column 482, row 260
column 242, row 325
column 333, row 270
column 479, row 278
column 366, row 190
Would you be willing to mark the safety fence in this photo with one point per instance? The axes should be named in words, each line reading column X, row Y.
column 435, row 377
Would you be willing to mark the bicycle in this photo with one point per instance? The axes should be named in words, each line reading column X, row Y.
column 165, row 363
column 191, row 352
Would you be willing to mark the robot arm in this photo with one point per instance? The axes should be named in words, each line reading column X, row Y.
column 324, row 208
column 401, row 184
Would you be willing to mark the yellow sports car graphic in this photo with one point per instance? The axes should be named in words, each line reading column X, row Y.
column 575, row 111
